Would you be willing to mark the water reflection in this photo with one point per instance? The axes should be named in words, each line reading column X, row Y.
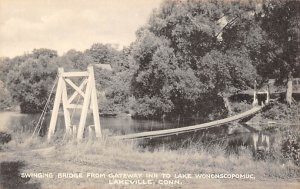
column 261, row 142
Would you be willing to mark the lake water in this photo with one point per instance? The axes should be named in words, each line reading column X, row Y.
column 233, row 136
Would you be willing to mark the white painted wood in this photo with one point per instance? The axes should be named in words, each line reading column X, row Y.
column 268, row 98
column 89, row 101
column 73, row 96
column 289, row 91
column 255, row 101
column 94, row 104
column 57, row 102
column 85, row 107
column 75, row 74
column 65, row 107
column 74, row 87
column 74, row 106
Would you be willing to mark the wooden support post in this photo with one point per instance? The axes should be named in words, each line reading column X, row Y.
column 255, row 101
column 94, row 103
column 268, row 97
column 86, row 103
column 268, row 93
column 227, row 105
column 289, row 90
column 65, row 107
column 89, row 102
column 57, row 102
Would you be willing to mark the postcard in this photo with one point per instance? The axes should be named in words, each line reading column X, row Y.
column 149, row 94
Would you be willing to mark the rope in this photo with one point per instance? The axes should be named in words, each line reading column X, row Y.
column 42, row 117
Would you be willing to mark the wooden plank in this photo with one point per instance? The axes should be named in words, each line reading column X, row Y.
column 73, row 106
column 76, row 93
column 167, row 132
column 94, row 104
column 65, row 107
column 86, row 102
column 75, row 87
column 57, row 102
column 75, row 74
column 289, row 91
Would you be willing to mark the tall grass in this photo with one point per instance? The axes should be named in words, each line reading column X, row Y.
column 127, row 156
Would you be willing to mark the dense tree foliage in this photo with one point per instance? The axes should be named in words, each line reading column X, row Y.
column 187, row 59
column 30, row 77
column 280, row 20
column 181, row 60
column 30, row 82
column 192, row 50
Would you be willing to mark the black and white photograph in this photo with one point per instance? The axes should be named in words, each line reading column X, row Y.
column 149, row 94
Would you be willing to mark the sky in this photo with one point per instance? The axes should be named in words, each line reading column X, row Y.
column 69, row 24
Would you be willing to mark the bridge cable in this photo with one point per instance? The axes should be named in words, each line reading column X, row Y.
column 42, row 117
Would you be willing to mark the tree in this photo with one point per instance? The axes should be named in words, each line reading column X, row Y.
column 105, row 54
column 191, row 27
column 226, row 73
column 151, row 80
column 30, row 82
column 280, row 20
column 5, row 97
column 4, row 68
column 74, row 60
column 182, row 63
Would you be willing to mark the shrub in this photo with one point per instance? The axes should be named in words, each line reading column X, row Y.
column 291, row 147
column 4, row 137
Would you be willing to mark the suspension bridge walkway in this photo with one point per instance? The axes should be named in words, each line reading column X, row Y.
column 176, row 131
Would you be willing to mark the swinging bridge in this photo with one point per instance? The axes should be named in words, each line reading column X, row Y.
column 176, row 131
column 90, row 103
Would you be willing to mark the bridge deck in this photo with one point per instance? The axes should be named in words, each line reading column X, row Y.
column 175, row 131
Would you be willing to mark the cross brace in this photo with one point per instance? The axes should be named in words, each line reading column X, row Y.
column 89, row 101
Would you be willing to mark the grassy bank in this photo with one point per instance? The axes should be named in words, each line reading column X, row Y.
column 194, row 159
column 107, row 156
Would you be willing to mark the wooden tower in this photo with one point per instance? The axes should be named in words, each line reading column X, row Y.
column 89, row 102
